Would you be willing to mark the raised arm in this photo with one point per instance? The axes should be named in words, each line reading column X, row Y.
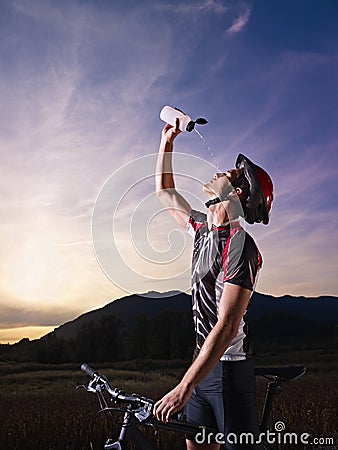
column 175, row 204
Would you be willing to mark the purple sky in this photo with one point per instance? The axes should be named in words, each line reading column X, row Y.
column 82, row 84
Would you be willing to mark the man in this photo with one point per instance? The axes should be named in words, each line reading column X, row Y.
column 218, row 389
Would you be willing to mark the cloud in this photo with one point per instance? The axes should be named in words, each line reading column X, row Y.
column 81, row 87
column 73, row 112
column 195, row 7
column 239, row 23
column 17, row 317
column 306, row 262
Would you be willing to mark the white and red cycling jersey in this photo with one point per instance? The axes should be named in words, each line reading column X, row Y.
column 224, row 254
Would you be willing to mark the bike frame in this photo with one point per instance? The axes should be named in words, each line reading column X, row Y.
column 130, row 431
column 139, row 409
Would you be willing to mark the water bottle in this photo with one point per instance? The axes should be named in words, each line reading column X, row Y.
column 169, row 115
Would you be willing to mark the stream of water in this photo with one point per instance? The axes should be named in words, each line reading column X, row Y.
column 208, row 147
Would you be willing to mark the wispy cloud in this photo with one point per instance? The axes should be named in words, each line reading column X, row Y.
column 240, row 23
column 17, row 317
column 81, row 87
column 307, row 255
column 195, row 7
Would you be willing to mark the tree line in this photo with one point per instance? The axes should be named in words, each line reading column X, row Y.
column 169, row 335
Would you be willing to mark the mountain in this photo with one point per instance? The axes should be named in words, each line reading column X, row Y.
column 159, row 326
column 322, row 309
column 128, row 308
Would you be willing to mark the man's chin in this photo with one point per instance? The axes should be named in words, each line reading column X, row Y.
column 208, row 191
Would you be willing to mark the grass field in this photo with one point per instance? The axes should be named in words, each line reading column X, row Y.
column 40, row 408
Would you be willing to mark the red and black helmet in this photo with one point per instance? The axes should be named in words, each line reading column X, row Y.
column 259, row 201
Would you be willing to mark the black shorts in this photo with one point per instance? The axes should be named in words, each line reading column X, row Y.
column 226, row 400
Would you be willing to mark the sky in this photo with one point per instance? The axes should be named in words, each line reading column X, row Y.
column 82, row 83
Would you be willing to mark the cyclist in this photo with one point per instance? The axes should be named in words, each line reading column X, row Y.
column 218, row 389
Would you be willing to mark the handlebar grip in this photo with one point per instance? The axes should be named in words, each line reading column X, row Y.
column 88, row 370
column 179, row 416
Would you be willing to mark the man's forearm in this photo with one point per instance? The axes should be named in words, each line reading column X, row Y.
column 176, row 205
column 232, row 306
column 164, row 170
column 213, row 348
column 211, row 351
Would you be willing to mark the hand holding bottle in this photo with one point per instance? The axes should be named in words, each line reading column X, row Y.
column 170, row 132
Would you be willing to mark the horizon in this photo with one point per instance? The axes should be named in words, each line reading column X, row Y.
column 163, row 295
column 82, row 86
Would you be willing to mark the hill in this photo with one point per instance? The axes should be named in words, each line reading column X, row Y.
column 127, row 309
column 322, row 309
column 160, row 326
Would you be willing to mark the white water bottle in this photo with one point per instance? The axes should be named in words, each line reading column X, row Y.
column 169, row 115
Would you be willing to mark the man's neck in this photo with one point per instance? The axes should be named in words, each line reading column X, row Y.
column 217, row 215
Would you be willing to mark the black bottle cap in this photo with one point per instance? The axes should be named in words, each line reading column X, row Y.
column 199, row 121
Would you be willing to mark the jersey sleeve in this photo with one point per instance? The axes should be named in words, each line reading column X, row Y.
column 196, row 220
column 241, row 260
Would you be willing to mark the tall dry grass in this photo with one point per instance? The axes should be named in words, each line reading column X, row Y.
column 40, row 408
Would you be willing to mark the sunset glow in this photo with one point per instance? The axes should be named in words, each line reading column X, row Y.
column 82, row 85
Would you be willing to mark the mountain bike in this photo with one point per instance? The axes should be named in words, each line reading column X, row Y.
column 137, row 410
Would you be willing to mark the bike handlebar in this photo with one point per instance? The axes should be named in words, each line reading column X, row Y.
column 99, row 382
column 88, row 370
column 142, row 407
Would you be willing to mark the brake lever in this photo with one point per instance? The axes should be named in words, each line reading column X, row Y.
column 144, row 412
